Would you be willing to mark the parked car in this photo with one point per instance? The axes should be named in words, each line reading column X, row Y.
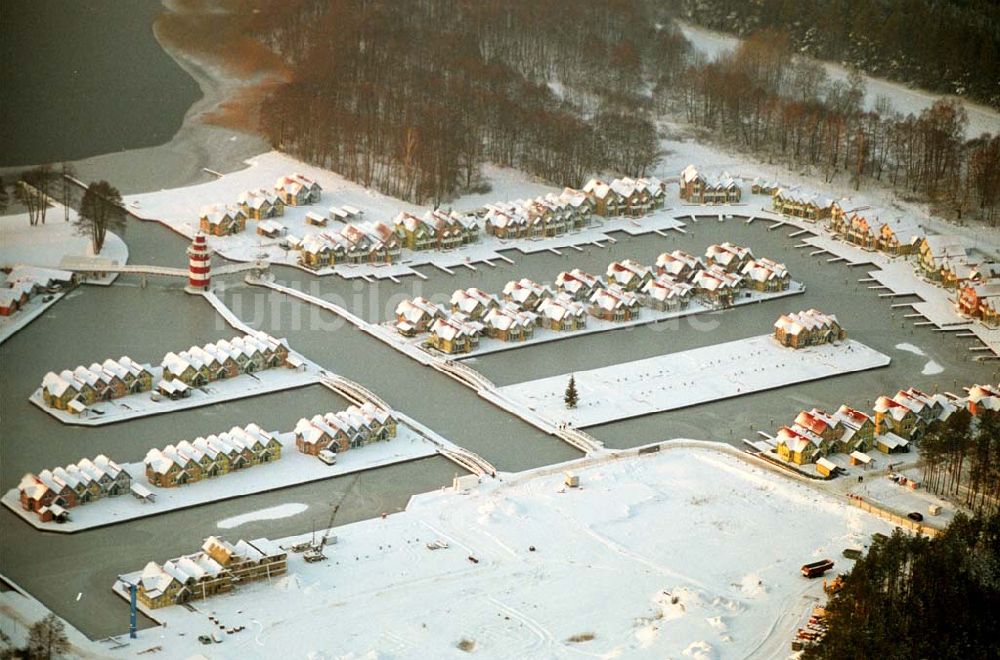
column 913, row 515
column 327, row 456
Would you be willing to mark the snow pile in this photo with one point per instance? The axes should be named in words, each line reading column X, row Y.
column 717, row 623
column 932, row 368
column 289, row 583
column 700, row 650
column 752, row 586
column 910, row 348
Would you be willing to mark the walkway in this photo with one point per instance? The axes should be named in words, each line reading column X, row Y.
column 163, row 270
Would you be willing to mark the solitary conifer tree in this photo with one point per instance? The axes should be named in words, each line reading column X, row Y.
column 571, row 397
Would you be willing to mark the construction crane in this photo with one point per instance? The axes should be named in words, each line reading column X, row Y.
column 315, row 551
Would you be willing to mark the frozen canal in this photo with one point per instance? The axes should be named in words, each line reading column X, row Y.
column 95, row 323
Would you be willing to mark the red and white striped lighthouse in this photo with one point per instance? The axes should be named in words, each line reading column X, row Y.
column 199, row 264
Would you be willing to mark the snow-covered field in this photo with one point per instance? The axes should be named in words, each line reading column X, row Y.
column 907, row 100
column 293, row 468
column 689, row 552
column 46, row 245
column 142, row 405
column 677, row 380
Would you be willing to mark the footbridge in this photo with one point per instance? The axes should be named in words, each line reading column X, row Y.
column 165, row 271
column 359, row 394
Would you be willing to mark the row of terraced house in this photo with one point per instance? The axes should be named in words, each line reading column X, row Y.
column 259, row 204
column 219, row 567
column 50, row 493
column 75, row 390
column 899, row 237
column 627, row 287
column 351, row 428
column 200, row 365
column 22, row 283
column 541, row 217
column 945, row 261
column 699, row 188
column 896, row 422
column 355, row 243
column 212, row 456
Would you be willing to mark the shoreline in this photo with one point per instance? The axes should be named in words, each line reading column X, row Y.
column 196, row 145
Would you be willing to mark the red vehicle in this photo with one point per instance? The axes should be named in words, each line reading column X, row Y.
column 817, row 568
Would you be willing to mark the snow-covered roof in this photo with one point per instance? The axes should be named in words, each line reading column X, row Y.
column 469, row 299
column 524, row 289
column 726, row 253
column 811, row 319
column 509, row 316
column 576, row 280
column 613, row 298
column 678, row 261
column 561, row 306
column 804, row 198
column 626, row 271
column 416, row 309
column 665, row 288
column 826, row 463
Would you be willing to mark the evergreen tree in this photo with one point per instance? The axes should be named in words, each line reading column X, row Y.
column 914, row 597
column 100, row 210
column 571, row 397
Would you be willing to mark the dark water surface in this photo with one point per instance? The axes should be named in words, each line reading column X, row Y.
column 85, row 77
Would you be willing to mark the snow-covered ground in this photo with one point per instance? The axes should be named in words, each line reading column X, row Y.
column 907, row 100
column 691, row 552
column 291, row 469
column 46, row 246
column 677, row 380
column 594, row 325
column 143, row 404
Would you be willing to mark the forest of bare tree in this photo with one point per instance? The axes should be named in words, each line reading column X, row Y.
column 413, row 98
column 948, row 46
column 784, row 109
